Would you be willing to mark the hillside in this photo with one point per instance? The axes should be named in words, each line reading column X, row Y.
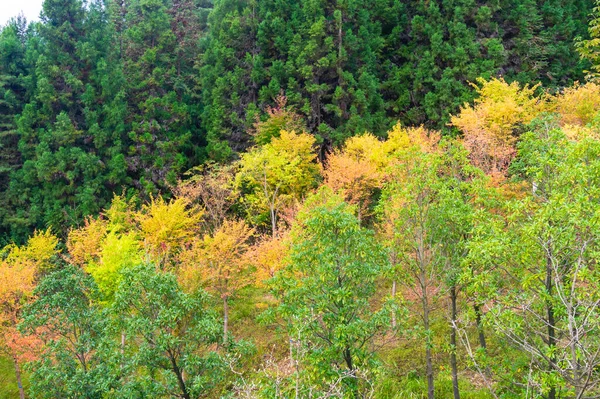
column 300, row 199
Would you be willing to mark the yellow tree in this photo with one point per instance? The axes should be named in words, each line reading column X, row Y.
column 166, row 228
column 220, row 263
column 84, row 244
column 490, row 126
column 19, row 269
column 211, row 186
column 578, row 105
column 354, row 173
column 276, row 174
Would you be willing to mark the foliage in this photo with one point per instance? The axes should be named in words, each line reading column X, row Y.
column 166, row 226
column 325, row 294
column 277, row 174
column 73, row 361
column 171, row 334
column 492, row 125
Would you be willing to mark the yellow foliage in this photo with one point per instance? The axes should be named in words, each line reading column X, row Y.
column 578, row 132
column 19, row 269
column 366, row 147
column 489, row 126
column 218, row 261
column 579, row 104
column 277, row 174
column 39, row 250
column 166, row 227
column 269, row 256
column 120, row 215
column 401, row 138
column 116, row 252
column 85, row 243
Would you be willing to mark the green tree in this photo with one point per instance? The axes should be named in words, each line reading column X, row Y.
column 548, row 251
column 65, row 316
column 411, row 206
column 326, row 296
column 70, row 135
column 172, row 337
column 160, row 40
column 14, row 93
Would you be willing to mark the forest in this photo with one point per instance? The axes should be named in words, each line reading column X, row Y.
column 243, row 199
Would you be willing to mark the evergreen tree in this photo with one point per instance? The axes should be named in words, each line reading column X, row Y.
column 69, row 132
column 14, row 71
column 160, row 44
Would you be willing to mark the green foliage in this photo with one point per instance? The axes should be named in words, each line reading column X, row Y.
column 355, row 66
column 326, row 299
column 74, row 361
column 171, row 337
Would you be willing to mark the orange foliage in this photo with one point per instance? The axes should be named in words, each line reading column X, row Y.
column 354, row 178
column 18, row 273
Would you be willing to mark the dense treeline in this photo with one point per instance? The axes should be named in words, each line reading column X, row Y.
column 125, row 96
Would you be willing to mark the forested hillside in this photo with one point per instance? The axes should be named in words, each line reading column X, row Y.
column 300, row 199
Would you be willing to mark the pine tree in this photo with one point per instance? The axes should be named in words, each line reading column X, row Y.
column 69, row 132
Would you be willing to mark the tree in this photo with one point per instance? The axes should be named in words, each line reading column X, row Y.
column 590, row 48
column 269, row 255
column 212, row 186
column 219, row 262
column 159, row 40
column 547, row 309
column 280, row 117
column 277, row 174
column 69, row 131
column 410, row 203
column 326, row 293
column 165, row 227
column 491, row 126
column 459, row 200
column 577, row 105
column 354, row 173
column 66, row 317
column 14, row 93
column 173, row 337
column 19, row 271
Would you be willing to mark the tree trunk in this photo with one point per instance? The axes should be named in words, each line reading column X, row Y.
column 350, row 364
column 482, row 343
column 428, row 355
column 19, row 380
column 180, row 380
column 551, row 322
column 273, row 222
column 453, row 295
column 225, row 319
